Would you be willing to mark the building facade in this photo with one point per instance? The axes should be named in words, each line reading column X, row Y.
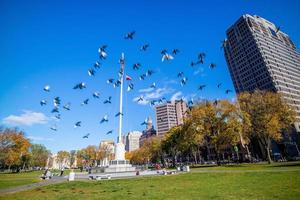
column 260, row 56
column 170, row 114
column 132, row 141
column 148, row 132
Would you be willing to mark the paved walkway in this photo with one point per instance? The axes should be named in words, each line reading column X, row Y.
column 245, row 170
column 32, row 186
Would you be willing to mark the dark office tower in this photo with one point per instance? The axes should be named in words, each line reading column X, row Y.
column 261, row 56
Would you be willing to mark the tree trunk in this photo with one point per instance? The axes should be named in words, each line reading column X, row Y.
column 268, row 151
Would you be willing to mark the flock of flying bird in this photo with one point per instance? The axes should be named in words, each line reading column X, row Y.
column 166, row 56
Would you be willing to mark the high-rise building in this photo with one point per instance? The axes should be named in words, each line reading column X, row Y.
column 132, row 141
column 169, row 114
column 261, row 56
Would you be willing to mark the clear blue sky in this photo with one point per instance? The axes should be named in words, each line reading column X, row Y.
column 56, row 42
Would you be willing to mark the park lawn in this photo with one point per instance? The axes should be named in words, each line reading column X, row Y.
column 241, row 185
column 9, row 180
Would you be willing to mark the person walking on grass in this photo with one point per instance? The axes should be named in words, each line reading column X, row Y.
column 62, row 171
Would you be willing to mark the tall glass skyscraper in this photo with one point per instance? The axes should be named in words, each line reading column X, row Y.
column 260, row 56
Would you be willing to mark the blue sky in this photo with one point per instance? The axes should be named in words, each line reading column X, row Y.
column 55, row 43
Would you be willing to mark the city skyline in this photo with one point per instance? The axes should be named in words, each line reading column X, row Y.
column 35, row 56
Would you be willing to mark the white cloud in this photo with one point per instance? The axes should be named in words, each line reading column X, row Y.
column 146, row 90
column 154, row 95
column 176, row 96
column 28, row 118
column 34, row 138
column 200, row 71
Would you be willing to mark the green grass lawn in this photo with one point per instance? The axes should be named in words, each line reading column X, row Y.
column 9, row 180
column 238, row 185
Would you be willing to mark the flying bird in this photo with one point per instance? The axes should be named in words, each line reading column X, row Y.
column 163, row 52
column 111, row 80
column 223, row 44
column 86, row 136
column 109, row 132
column 47, row 88
column 228, row 91
column 43, row 102
column 67, row 106
column 118, row 114
column 183, row 81
column 57, row 116
column 91, row 72
column 55, row 110
column 141, row 98
column 212, row 65
column 180, row 74
column 104, row 119
column 79, row 86
column 128, row 78
column 175, row 51
column 153, row 85
column 117, row 83
column 201, row 57
column 97, row 65
column 53, row 128
column 77, row 124
column 144, row 47
column 144, row 122
column 191, row 102
column 201, row 87
column 130, row 87
column 102, row 53
column 167, row 57
column 277, row 29
column 193, row 64
column 56, row 101
column 136, row 66
column 219, row 85
column 149, row 72
column 153, row 102
column 107, row 100
column 96, row 95
column 142, row 77
column 130, row 35
column 161, row 100
column 85, row 102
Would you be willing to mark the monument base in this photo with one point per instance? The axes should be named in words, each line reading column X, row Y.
column 119, row 166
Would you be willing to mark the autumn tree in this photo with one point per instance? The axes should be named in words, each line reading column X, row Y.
column 39, row 155
column 13, row 147
column 269, row 116
column 63, row 158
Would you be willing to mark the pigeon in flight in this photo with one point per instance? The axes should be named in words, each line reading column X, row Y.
column 118, row 114
column 180, row 74
column 47, row 88
column 85, row 102
column 56, row 101
column 191, row 102
column 201, row 57
column 167, row 57
column 149, row 72
column 163, row 52
column 128, row 78
column 142, row 77
column 79, row 86
column 175, row 51
column 223, row 44
column 216, row 102
column 104, row 119
column 102, row 53
column 228, row 91
column 67, row 106
column 91, row 72
column 97, row 65
column 53, row 128
column 183, row 81
column 277, row 29
column 141, row 98
column 43, row 102
column 153, row 102
column 55, row 110
column 96, row 95
column 130, row 87
column 57, row 116
column 201, row 87
column 109, row 81
column 219, row 85
column 77, row 124
column 153, row 85
column 144, row 47
column 144, row 122
column 109, row 132
column 212, row 65
column 86, row 136
column 136, row 66
column 107, row 100
column 161, row 100
column 130, row 35
column 117, row 83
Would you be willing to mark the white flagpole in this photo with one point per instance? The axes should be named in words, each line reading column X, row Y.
column 122, row 62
